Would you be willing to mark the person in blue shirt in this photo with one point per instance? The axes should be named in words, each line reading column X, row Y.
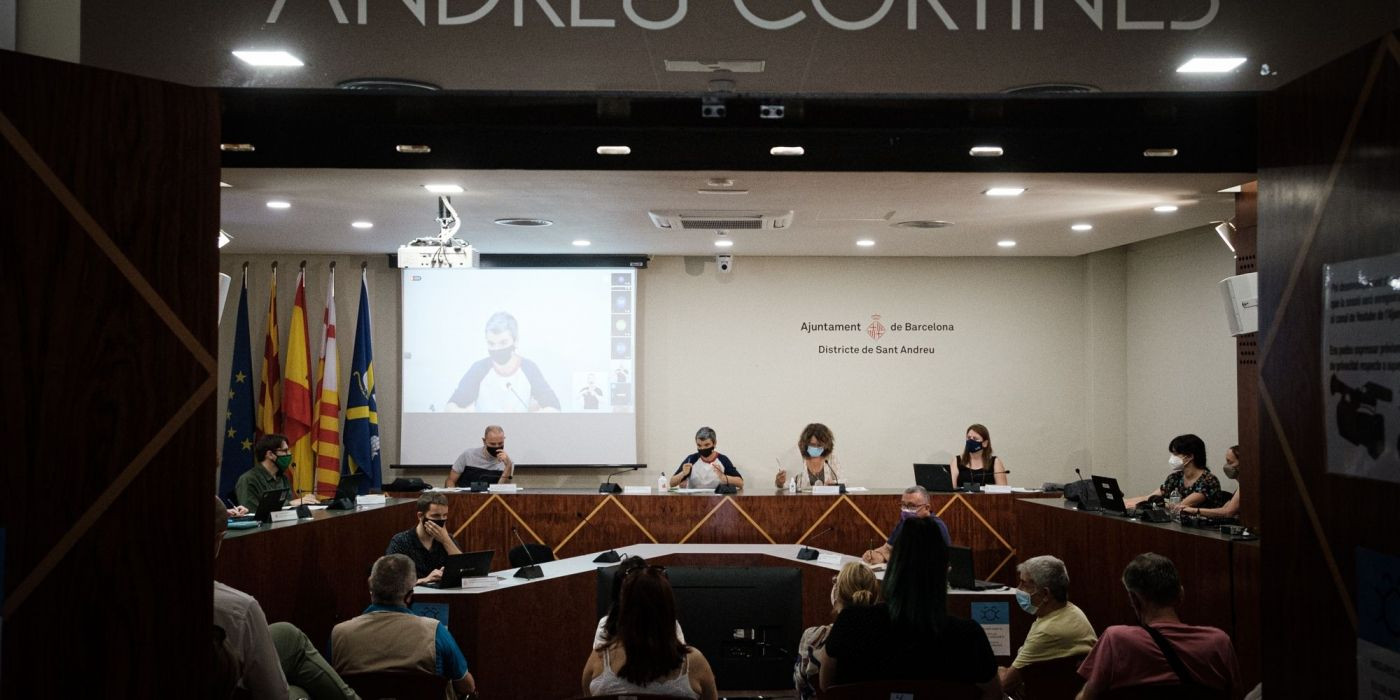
column 389, row 636
column 913, row 504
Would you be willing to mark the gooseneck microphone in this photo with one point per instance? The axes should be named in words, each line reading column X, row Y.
column 531, row 571
column 609, row 487
column 523, row 402
column 808, row 553
column 609, row 557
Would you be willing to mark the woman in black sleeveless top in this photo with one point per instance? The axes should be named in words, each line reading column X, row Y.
column 978, row 464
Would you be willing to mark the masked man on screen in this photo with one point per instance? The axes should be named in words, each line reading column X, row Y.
column 488, row 463
column 503, row 382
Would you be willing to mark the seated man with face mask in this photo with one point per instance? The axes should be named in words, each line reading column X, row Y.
column 1060, row 628
column 428, row 543
column 274, row 457
column 913, row 504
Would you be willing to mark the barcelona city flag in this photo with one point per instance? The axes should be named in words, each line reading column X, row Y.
column 326, row 430
column 238, row 413
column 361, row 409
column 270, row 393
column 296, row 395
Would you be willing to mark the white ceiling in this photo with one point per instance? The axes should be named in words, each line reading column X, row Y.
column 832, row 210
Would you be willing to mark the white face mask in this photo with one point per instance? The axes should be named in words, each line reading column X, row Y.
column 1177, row 463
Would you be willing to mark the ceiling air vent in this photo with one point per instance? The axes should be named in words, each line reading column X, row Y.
column 676, row 219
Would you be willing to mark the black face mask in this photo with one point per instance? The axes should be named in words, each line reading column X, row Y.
column 440, row 523
column 706, row 452
column 501, row 356
column 493, row 451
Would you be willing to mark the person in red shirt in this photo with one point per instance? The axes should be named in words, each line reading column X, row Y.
column 1129, row 655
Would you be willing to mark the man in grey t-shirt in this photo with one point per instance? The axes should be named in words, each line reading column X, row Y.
column 488, row 463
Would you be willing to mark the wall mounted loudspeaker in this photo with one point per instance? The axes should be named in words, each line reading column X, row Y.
column 725, row 262
column 1241, row 295
column 224, row 281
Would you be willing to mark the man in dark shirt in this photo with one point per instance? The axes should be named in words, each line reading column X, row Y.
column 428, row 543
column 274, row 457
column 914, row 503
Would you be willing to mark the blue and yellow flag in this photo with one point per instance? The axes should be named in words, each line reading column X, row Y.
column 360, row 440
column 238, row 415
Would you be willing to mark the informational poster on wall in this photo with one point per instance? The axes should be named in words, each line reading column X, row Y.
column 996, row 623
column 1361, row 366
column 1378, row 625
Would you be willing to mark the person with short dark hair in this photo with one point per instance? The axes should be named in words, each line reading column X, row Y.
column 428, row 543
column 1190, row 478
column 389, row 636
column 1132, row 655
column 915, row 503
column 1060, row 629
column 503, row 381
column 706, row 467
column 911, row 636
column 273, row 458
column 816, row 452
column 644, row 655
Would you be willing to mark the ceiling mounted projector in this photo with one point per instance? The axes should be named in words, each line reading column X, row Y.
column 442, row 250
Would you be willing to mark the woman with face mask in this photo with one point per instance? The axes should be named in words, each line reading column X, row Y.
column 977, row 464
column 1190, row 478
column 815, row 449
column 1231, row 509
column 854, row 585
column 706, row 467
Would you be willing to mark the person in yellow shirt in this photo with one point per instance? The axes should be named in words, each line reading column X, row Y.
column 1060, row 628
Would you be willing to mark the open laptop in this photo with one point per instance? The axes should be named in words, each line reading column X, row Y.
column 459, row 566
column 346, row 492
column 270, row 500
column 935, row 478
column 1110, row 496
column 960, row 574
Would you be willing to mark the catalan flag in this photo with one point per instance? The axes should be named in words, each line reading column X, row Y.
column 270, row 394
column 238, row 413
column 361, row 408
column 326, row 432
column 296, row 395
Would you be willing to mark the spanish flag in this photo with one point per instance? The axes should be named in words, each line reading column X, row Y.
column 361, row 409
column 327, row 428
column 269, row 415
column 296, row 395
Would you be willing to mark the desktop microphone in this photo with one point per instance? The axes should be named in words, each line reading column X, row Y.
column 609, row 557
column 523, row 402
column 609, row 487
column 531, row 571
column 807, row 553
column 836, row 477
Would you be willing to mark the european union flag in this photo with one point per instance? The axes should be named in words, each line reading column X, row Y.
column 360, row 440
column 238, row 415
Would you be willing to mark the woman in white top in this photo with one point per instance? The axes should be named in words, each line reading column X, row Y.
column 816, row 447
column 607, row 626
column 644, row 655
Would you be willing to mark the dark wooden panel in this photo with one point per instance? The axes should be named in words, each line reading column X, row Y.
column 1318, row 203
column 1247, row 356
column 1247, row 588
column 91, row 374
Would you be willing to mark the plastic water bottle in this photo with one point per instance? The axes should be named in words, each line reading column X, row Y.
column 662, row 483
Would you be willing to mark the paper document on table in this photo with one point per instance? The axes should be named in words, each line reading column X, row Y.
column 316, row 507
column 504, row 488
column 1019, row 489
column 829, row 558
column 996, row 488
column 371, row 499
column 636, row 490
column 856, row 489
column 693, row 490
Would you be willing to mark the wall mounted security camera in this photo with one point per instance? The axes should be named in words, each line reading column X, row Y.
column 725, row 262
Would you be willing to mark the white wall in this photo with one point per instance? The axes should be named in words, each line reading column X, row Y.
column 1094, row 362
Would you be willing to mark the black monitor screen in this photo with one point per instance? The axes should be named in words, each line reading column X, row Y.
column 745, row 620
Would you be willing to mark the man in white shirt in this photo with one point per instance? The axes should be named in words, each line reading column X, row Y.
column 488, row 463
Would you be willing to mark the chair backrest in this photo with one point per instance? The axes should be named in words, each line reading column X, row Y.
column 397, row 685
column 540, row 552
column 1051, row 680
column 917, row 690
column 1174, row 691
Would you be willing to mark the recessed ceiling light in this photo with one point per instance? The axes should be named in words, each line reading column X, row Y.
column 1211, row 65
column 1082, row 227
column 787, row 151
column 224, row 184
column 524, row 222
column 1004, row 191
column 582, row 243
column 413, row 148
column 1159, row 153
column 362, row 224
column 236, row 147
column 985, row 151
column 444, row 189
column 269, row 58
column 1007, row 244
column 865, row 243
column 724, row 243
column 279, row 204
column 614, row 150
column 1164, row 208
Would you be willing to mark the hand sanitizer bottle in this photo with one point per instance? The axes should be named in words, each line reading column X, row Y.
column 662, row 483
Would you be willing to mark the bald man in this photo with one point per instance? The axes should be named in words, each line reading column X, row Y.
column 488, row 463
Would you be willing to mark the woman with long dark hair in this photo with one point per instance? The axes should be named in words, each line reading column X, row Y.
column 911, row 636
column 978, row 464
column 643, row 655
column 607, row 626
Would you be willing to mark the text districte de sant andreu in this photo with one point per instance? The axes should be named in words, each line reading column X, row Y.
column 873, row 332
